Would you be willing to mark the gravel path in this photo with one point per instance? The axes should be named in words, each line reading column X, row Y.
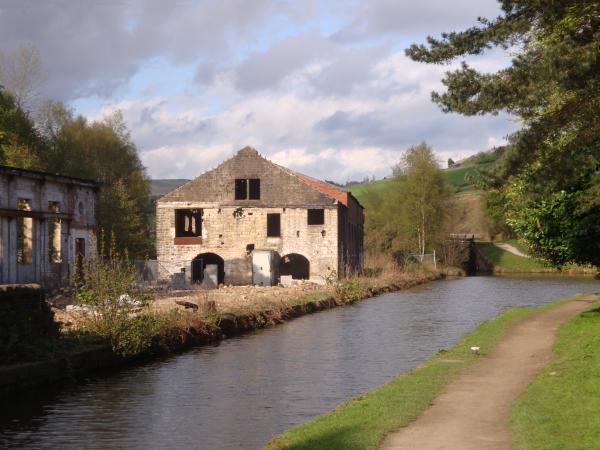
column 472, row 411
column 512, row 249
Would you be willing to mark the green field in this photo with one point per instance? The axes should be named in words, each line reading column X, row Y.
column 456, row 177
column 363, row 422
column 559, row 409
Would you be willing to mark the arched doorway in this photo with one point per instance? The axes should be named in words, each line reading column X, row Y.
column 295, row 265
column 200, row 262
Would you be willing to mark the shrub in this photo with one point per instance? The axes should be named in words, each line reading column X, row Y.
column 27, row 327
column 349, row 290
column 106, row 285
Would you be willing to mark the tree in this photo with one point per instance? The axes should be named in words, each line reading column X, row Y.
column 21, row 75
column 553, row 86
column 20, row 143
column 103, row 151
column 450, row 162
column 411, row 216
column 426, row 197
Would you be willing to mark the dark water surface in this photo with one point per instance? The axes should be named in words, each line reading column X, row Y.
column 241, row 393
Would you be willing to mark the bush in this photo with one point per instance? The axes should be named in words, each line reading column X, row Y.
column 349, row 290
column 107, row 286
column 27, row 327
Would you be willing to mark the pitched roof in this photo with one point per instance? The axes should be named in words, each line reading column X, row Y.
column 326, row 188
column 208, row 181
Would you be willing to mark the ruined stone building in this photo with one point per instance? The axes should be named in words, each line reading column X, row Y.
column 253, row 221
column 47, row 224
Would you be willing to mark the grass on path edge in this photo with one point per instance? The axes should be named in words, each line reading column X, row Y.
column 559, row 409
column 363, row 422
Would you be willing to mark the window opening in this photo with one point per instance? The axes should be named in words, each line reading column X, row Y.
column 316, row 216
column 54, row 234
column 247, row 189
column 241, row 189
column 188, row 222
column 254, row 184
column 24, row 233
column 273, row 225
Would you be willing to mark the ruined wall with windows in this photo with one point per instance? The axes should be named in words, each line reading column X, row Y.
column 46, row 222
column 247, row 204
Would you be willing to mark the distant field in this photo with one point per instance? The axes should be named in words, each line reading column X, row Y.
column 454, row 177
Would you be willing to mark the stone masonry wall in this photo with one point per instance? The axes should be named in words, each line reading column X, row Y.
column 227, row 235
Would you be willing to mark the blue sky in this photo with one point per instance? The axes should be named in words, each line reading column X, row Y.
column 321, row 87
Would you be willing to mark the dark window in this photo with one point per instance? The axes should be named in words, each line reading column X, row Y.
column 273, row 225
column 316, row 216
column 188, row 222
column 241, row 189
column 254, row 184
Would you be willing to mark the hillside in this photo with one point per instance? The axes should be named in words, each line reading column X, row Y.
column 158, row 188
column 468, row 201
column 455, row 176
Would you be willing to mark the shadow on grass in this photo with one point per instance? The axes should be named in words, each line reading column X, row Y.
column 325, row 440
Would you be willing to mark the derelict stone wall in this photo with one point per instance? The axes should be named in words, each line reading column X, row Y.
column 77, row 206
column 228, row 231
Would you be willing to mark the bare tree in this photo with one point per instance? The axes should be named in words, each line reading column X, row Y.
column 21, row 75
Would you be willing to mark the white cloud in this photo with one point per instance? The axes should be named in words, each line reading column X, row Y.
column 324, row 88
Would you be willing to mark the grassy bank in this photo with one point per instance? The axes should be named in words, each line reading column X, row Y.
column 504, row 261
column 362, row 422
column 559, row 409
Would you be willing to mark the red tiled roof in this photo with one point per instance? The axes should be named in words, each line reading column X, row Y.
column 326, row 188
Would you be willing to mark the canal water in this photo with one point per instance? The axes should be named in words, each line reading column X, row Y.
column 239, row 394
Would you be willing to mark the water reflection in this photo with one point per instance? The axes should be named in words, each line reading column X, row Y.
column 242, row 392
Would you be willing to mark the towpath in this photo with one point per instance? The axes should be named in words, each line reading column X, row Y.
column 472, row 411
column 512, row 249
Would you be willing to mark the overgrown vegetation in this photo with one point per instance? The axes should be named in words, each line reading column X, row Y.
column 559, row 409
column 362, row 422
column 115, row 304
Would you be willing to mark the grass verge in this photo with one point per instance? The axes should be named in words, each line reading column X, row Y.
column 363, row 422
column 509, row 262
column 506, row 262
column 559, row 409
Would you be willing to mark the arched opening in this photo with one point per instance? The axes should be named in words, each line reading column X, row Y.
column 295, row 265
column 200, row 262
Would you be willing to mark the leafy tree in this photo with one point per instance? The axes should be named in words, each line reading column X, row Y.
column 20, row 143
column 412, row 215
column 103, row 151
column 426, row 197
column 553, row 86
column 450, row 162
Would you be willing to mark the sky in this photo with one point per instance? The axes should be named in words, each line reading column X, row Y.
column 322, row 87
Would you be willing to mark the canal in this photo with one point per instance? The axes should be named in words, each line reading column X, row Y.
column 239, row 394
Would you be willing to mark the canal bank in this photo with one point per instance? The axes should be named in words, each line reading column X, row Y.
column 195, row 328
column 478, row 389
column 245, row 390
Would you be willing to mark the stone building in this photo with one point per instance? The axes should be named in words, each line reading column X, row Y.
column 253, row 221
column 47, row 223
